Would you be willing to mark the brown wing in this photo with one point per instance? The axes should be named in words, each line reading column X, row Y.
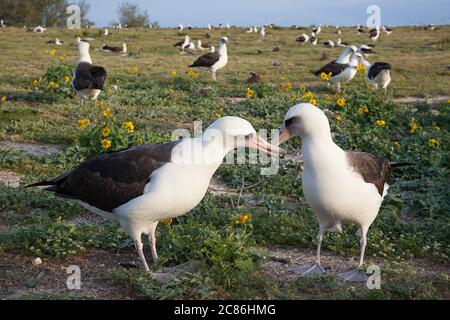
column 88, row 76
column 372, row 168
column 206, row 60
column 333, row 67
column 109, row 180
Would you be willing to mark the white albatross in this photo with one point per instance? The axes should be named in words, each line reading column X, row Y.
column 340, row 186
column 213, row 60
column 142, row 185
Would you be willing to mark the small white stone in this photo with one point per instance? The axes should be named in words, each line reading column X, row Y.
column 37, row 261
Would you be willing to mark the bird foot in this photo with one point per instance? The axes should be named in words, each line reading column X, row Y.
column 315, row 268
column 356, row 275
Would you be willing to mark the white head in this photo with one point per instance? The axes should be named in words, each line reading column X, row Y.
column 83, row 50
column 305, row 121
column 233, row 132
column 223, row 40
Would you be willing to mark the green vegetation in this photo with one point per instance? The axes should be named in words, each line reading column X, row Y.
column 227, row 244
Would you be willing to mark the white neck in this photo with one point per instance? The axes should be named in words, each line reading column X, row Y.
column 344, row 57
column 223, row 49
column 84, row 55
column 365, row 63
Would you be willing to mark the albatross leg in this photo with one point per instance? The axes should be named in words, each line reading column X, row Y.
column 214, row 75
column 358, row 275
column 152, row 240
column 139, row 249
column 315, row 268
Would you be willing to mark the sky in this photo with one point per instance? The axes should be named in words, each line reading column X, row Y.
column 170, row 13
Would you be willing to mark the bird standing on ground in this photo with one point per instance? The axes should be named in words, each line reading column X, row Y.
column 88, row 80
column 343, row 69
column 142, row 185
column 213, row 60
column 378, row 74
column 340, row 186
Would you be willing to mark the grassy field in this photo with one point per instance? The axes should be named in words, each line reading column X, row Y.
column 410, row 240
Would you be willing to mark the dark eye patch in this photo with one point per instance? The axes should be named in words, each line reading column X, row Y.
column 289, row 122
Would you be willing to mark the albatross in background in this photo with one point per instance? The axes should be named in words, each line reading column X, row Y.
column 378, row 74
column 343, row 69
column 214, row 60
column 340, row 186
column 142, row 185
column 88, row 80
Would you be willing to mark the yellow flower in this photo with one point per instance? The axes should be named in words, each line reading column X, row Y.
column 435, row 127
column 243, row 218
column 362, row 67
column 100, row 103
column 52, row 85
column 129, row 125
column 139, row 141
column 433, row 142
column 414, row 125
column 167, row 222
column 313, row 101
column 397, row 144
column 107, row 113
column 53, row 52
column 340, row 102
column 132, row 70
column 67, row 78
column 82, row 123
column 448, row 101
column 192, row 73
column 3, row 99
column 325, row 76
column 219, row 113
column 250, row 93
column 174, row 73
column 363, row 109
column 338, row 118
column 106, row 144
column 35, row 82
column 308, row 95
column 106, row 132
column 380, row 123
column 62, row 56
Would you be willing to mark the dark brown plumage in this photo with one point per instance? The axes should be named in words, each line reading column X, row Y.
column 112, row 49
column 372, row 168
column 88, row 76
column 333, row 67
column 206, row 60
column 376, row 68
column 110, row 180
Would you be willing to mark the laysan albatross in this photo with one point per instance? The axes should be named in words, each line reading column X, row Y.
column 142, row 185
column 213, row 60
column 340, row 186
column 88, row 80
column 378, row 74
column 343, row 69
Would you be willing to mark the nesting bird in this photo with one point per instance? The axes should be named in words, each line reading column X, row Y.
column 142, row 185
column 313, row 39
column 359, row 30
column 317, row 30
column 339, row 43
column 388, row 31
column 56, row 42
column 328, row 43
column 303, row 38
column 340, row 186
column 107, row 48
column 88, row 80
column 374, row 34
column 214, row 60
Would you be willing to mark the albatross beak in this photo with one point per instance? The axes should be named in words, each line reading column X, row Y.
column 284, row 136
column 262, row 145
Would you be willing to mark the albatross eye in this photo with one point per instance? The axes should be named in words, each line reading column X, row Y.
column 289, row 122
